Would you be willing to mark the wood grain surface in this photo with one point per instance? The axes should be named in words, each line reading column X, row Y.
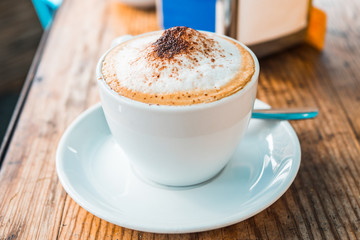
column 322, row 203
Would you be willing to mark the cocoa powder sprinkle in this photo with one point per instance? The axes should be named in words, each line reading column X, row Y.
column 176, row 44
column 172, row 42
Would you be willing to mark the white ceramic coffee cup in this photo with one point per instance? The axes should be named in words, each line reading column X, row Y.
column 178, row 145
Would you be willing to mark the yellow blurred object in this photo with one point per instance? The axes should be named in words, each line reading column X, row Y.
column 315, row 35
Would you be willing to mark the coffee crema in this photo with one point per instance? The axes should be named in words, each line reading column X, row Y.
column 179, row 66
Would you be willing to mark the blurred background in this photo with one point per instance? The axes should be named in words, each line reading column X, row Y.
column 20, row 33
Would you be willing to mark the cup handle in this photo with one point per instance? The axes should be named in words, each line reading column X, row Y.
column 120, row 39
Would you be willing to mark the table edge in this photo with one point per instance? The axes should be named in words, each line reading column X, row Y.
column 23, row 96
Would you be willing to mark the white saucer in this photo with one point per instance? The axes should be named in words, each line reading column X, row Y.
column 95, row 173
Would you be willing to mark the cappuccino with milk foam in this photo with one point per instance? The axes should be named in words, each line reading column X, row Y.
column 178, row 66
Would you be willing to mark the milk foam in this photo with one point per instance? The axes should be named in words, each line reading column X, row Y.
column 210, row 62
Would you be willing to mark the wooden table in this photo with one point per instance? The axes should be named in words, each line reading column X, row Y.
column 324, row 200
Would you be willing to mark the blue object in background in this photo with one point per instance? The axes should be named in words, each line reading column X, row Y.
column 197, row 14
column 45, row 10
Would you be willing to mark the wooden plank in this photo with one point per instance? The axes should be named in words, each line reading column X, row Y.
column 324, row 169
column 323, row 202
column 342, row 57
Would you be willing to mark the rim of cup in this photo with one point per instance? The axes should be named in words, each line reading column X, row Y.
column 192, row 107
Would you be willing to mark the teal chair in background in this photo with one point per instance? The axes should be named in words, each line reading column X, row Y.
column 45, row 10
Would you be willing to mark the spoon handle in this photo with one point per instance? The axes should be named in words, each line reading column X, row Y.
column 285, row 113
